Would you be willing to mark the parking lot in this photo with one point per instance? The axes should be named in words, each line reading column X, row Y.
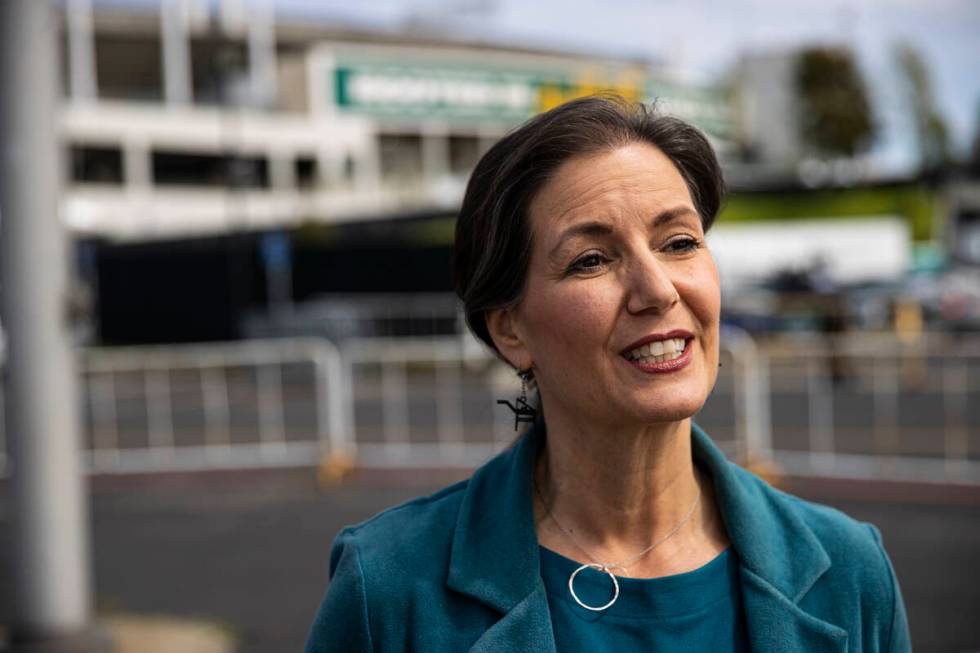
column 249, row 550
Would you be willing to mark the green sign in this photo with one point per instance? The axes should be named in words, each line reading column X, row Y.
column 413, row 91
column 422, row 91
column 419, row 89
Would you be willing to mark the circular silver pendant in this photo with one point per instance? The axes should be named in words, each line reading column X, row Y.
column 597, row 567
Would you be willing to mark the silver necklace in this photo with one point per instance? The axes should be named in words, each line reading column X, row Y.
column 608, row 567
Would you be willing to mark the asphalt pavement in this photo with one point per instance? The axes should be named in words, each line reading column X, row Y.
column 248, row 551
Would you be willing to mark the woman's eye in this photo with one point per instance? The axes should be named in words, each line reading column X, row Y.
column 588, row 263
column 682, row 245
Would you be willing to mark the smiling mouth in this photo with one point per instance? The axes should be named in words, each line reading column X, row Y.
column 660, row 351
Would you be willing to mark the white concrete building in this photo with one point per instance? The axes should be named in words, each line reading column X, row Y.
column 190, row 118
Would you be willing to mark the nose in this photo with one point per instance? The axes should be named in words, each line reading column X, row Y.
column 650, row 287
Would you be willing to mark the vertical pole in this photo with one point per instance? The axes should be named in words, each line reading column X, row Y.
column 3, row 430
column 262, row 54
column 955, row 387
column 217, row 414
column 50, row 562
column 885, row 410
column 821, row 409
column 761, row 434
column 271, row 406
column 159, row 411
column 367, row 169
column 105, row 423
column 282, row 171
column 394, row 397
column 176, row 52
column 137, row 167
column 435, row 153
column 82, row 80
column 449, row 404
column 750, row 380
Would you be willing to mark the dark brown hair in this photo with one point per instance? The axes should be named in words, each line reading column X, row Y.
column 493, row 233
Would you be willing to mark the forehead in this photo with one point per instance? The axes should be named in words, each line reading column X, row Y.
column 633, row 181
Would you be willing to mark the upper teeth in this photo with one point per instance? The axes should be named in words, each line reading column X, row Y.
column 660, row 350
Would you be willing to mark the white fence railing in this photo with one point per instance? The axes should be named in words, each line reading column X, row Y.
column 425, row 402
column 434, row 401
column 211, row 406
column 876, row 406
column 865, row 406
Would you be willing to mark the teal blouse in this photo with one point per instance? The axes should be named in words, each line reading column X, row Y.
column 700, row 610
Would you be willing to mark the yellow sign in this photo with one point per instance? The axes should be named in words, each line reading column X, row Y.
column 628, row 84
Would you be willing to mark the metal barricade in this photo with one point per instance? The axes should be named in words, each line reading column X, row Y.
column 874, row 406
column 433, row 402
column 263, row 403
column 426, row 402
column 862, row 406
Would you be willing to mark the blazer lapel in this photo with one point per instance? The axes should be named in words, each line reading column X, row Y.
column 777, row 624
column 526, row 628
column 495, row 557
column 780, row 558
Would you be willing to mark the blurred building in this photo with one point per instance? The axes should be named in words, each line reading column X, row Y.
column 194, row 119
column 216, row 150
column 769, row 118
column 767, row 111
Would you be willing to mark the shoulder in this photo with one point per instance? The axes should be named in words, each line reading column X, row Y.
column 414, row 534
column 859, row 580
column 859, row 563
column 843, row 537
column 381, row 568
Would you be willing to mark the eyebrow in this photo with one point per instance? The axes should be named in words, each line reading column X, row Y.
column 595, row 228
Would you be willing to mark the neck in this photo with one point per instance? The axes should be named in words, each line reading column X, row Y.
column 619, row 490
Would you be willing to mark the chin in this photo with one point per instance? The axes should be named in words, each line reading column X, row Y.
column 680, row 408
column 669, row 416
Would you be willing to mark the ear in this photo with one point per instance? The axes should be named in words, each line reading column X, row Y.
column 504, row 327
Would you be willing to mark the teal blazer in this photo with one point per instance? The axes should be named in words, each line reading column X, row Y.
column 458, row 570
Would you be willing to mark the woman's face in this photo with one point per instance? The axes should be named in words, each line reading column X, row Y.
column 619, row 275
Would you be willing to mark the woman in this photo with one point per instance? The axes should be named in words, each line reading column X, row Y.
column 614, row 523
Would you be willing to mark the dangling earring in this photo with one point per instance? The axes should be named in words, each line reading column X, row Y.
column 523, row 411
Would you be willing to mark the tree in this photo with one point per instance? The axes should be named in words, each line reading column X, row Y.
column 836, row 115
column 932, row 133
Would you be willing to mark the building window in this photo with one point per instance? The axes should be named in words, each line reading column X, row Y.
column 129, row 67
column 401, row 158
column 219, row 72
column 291, row 77
column 349, row 168
column 92, row 164
column 214, row 170
column 305, row 170
column 464, row 152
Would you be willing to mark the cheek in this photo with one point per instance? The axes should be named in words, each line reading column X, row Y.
column 708, row 313
column 703, row 291
column 570, row 317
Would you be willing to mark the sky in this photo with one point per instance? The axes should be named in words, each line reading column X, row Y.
column 702, row 39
